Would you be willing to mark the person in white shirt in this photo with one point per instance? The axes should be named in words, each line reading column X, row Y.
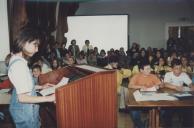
column 87, row 47
column 176, row 80
column 23, row 106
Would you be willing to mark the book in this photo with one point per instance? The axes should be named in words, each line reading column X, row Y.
column 51, row 90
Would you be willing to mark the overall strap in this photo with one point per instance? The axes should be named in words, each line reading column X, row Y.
column 13, row 62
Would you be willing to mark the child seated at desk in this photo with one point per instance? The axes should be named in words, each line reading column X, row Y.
column 143, row 80
column 36, row 71
column 176, row 79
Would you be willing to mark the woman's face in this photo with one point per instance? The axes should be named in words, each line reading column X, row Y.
column 36, row 72
column 142, row 53
column 30, row 48
column 158, row 54
column 177, row 69
column 55, row 64
column 184, row 61
column 161, row 61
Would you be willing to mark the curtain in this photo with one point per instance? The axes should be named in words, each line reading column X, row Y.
column 17, row 17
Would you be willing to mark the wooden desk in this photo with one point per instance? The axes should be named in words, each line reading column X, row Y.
column 155, row 106
column 87, row 101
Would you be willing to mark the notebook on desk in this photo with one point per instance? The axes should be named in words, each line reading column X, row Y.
column 183, row 95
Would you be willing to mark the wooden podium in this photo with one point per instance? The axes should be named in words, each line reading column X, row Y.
column 89, row 102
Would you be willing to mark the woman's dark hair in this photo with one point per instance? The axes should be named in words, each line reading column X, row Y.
column 25, row 35
column 175, row 62
column 73, row 41
column 36, row 66
column 143, row 64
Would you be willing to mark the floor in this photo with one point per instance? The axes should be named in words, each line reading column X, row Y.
column 124, row 120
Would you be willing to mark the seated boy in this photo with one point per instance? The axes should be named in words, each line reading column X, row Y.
column 176, row 79
column 143, row 80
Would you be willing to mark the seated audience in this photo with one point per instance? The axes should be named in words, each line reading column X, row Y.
column 161, row 68
column 102, row 59
column 70, row 61
column 81, row 59
column 155, row 60
column 55, row 64
column 185, row 65
column 74, row 49
column 92, row 60
column 36, row 71
column 122, row 91
column 87, row 47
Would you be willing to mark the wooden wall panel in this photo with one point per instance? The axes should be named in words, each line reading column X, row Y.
column 88, row 103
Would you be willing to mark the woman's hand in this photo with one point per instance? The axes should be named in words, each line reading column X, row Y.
column 47, row 85
column 51, row 98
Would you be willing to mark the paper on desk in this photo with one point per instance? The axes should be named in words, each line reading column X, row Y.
column 186, row 89
column 152, row 96
column 51, row 90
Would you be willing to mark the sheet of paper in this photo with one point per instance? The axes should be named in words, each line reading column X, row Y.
column 152, row 96
column 186, row 89
column 51, row 90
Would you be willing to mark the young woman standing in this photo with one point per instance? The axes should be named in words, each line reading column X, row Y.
column 23, row 106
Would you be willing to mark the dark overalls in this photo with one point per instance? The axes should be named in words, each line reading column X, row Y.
column 24, row 115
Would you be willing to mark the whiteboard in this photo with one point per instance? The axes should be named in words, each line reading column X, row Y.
column 105, row 31
column 4, row 32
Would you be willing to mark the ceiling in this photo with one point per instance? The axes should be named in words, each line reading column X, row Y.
column 135, row 1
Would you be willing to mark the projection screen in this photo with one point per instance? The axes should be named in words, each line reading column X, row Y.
column 105, row 31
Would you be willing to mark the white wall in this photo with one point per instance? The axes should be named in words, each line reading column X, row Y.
column 4, row 35
column 147, row 19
